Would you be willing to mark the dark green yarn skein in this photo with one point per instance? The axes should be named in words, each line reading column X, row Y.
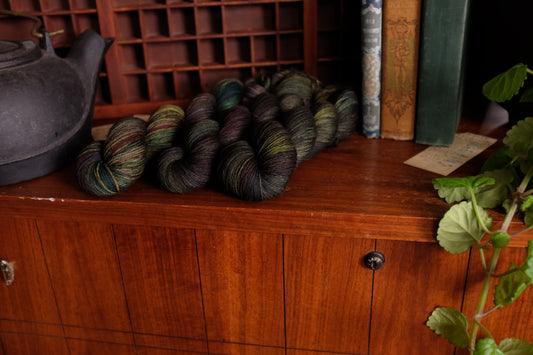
column 245, row 137
column 300, row 124
column 228, row 93
column 188, row 165
column 106, row 168
column 182, row 170
column 261, row 170
column 162, row 128
column 347, row 106
column 109, row 167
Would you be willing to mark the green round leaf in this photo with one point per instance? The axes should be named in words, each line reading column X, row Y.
column 459, row 228
column 511, row 286
column 497, row 160
column 512, row 346
column 487, row 346
column 450, row 324
column 527, row 95
column 506, row 85
column 500, row 239
column 519, row 138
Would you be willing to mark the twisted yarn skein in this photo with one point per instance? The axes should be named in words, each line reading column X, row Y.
column 108, row 167
column 187, row 168
column 246, row 138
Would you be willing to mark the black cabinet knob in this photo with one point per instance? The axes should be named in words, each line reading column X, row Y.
column 374, row 260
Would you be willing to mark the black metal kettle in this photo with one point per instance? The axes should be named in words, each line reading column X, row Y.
column 46, row 103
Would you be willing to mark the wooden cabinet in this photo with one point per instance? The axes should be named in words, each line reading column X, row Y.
column 150, row 272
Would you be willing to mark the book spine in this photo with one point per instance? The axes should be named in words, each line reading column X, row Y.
column 371, row 21
column 441, row 66
column 400, row 48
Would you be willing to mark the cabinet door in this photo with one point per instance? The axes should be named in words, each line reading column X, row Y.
column 86, row 277
column 30, row 296
column 328, row 293
column 85, row 347
column 242, row 283
column 33, row 344
column 512, row 321
column 415, row 278
column 160, row 272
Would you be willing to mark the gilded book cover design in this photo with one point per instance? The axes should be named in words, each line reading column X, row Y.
column 400, row 64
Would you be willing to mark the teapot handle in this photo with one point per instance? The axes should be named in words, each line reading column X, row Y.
column 37, row 27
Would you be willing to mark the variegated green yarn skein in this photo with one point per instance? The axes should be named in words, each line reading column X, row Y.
column 247, row 138
column 257, row 163
column 108, row 167
column 187, row 166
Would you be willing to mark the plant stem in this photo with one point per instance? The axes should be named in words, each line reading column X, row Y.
column 523, row 231
column 476, row 211
column 494, row 262
column 484, row 329
column 483, row 297
column 483, row 261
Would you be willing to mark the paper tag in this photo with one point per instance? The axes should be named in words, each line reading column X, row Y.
column 444, row 160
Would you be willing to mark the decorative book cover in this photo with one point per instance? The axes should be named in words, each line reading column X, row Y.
column 442, row 61
column 400, row 48
column 371, row 21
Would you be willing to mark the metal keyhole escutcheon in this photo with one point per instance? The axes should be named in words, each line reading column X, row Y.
column 7, row 271
column 374, row 260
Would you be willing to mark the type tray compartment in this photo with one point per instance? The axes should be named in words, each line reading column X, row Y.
column 168, row 51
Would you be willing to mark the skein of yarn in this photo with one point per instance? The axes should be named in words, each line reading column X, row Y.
column 247, row 138
column 187, row 168
column 260, row 171
column 109, row 167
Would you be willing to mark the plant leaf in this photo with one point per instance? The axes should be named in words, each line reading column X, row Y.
column 528, row 202
column 511, row 286
column 527, row 95
column 520, row 141
column 507, row 84
column 528, row 217
column 459, row 228
column 452, row 194
column 527, row 266
column 469, row 181
column 487, row 346
column 497, row 160
column 456, row 189
column 493, row 195
column 450, row 324
column 512, row 346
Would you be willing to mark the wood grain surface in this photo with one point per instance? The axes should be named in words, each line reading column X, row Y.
column 30, row 297
column 85, row 274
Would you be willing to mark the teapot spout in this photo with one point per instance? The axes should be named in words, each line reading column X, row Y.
column 86, row 56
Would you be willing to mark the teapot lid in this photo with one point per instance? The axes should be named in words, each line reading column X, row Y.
column 16, row 53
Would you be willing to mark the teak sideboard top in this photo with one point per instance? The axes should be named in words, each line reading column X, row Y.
column 360, row 188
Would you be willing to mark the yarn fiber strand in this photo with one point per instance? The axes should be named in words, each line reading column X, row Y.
column 246, row 138
column 109, row 167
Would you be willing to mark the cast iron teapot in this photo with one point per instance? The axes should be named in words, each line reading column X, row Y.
column 46, row 102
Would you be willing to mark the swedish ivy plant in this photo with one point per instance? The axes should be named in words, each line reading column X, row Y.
column 504, row 183
column 509, row 84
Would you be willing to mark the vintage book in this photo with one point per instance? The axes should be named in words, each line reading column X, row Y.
column 371, row 21
column 441, row 66
column 400, row 48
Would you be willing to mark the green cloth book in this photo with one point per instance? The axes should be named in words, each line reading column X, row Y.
column 441, row 66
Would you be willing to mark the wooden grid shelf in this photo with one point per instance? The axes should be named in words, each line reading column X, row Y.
column 167, row 51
